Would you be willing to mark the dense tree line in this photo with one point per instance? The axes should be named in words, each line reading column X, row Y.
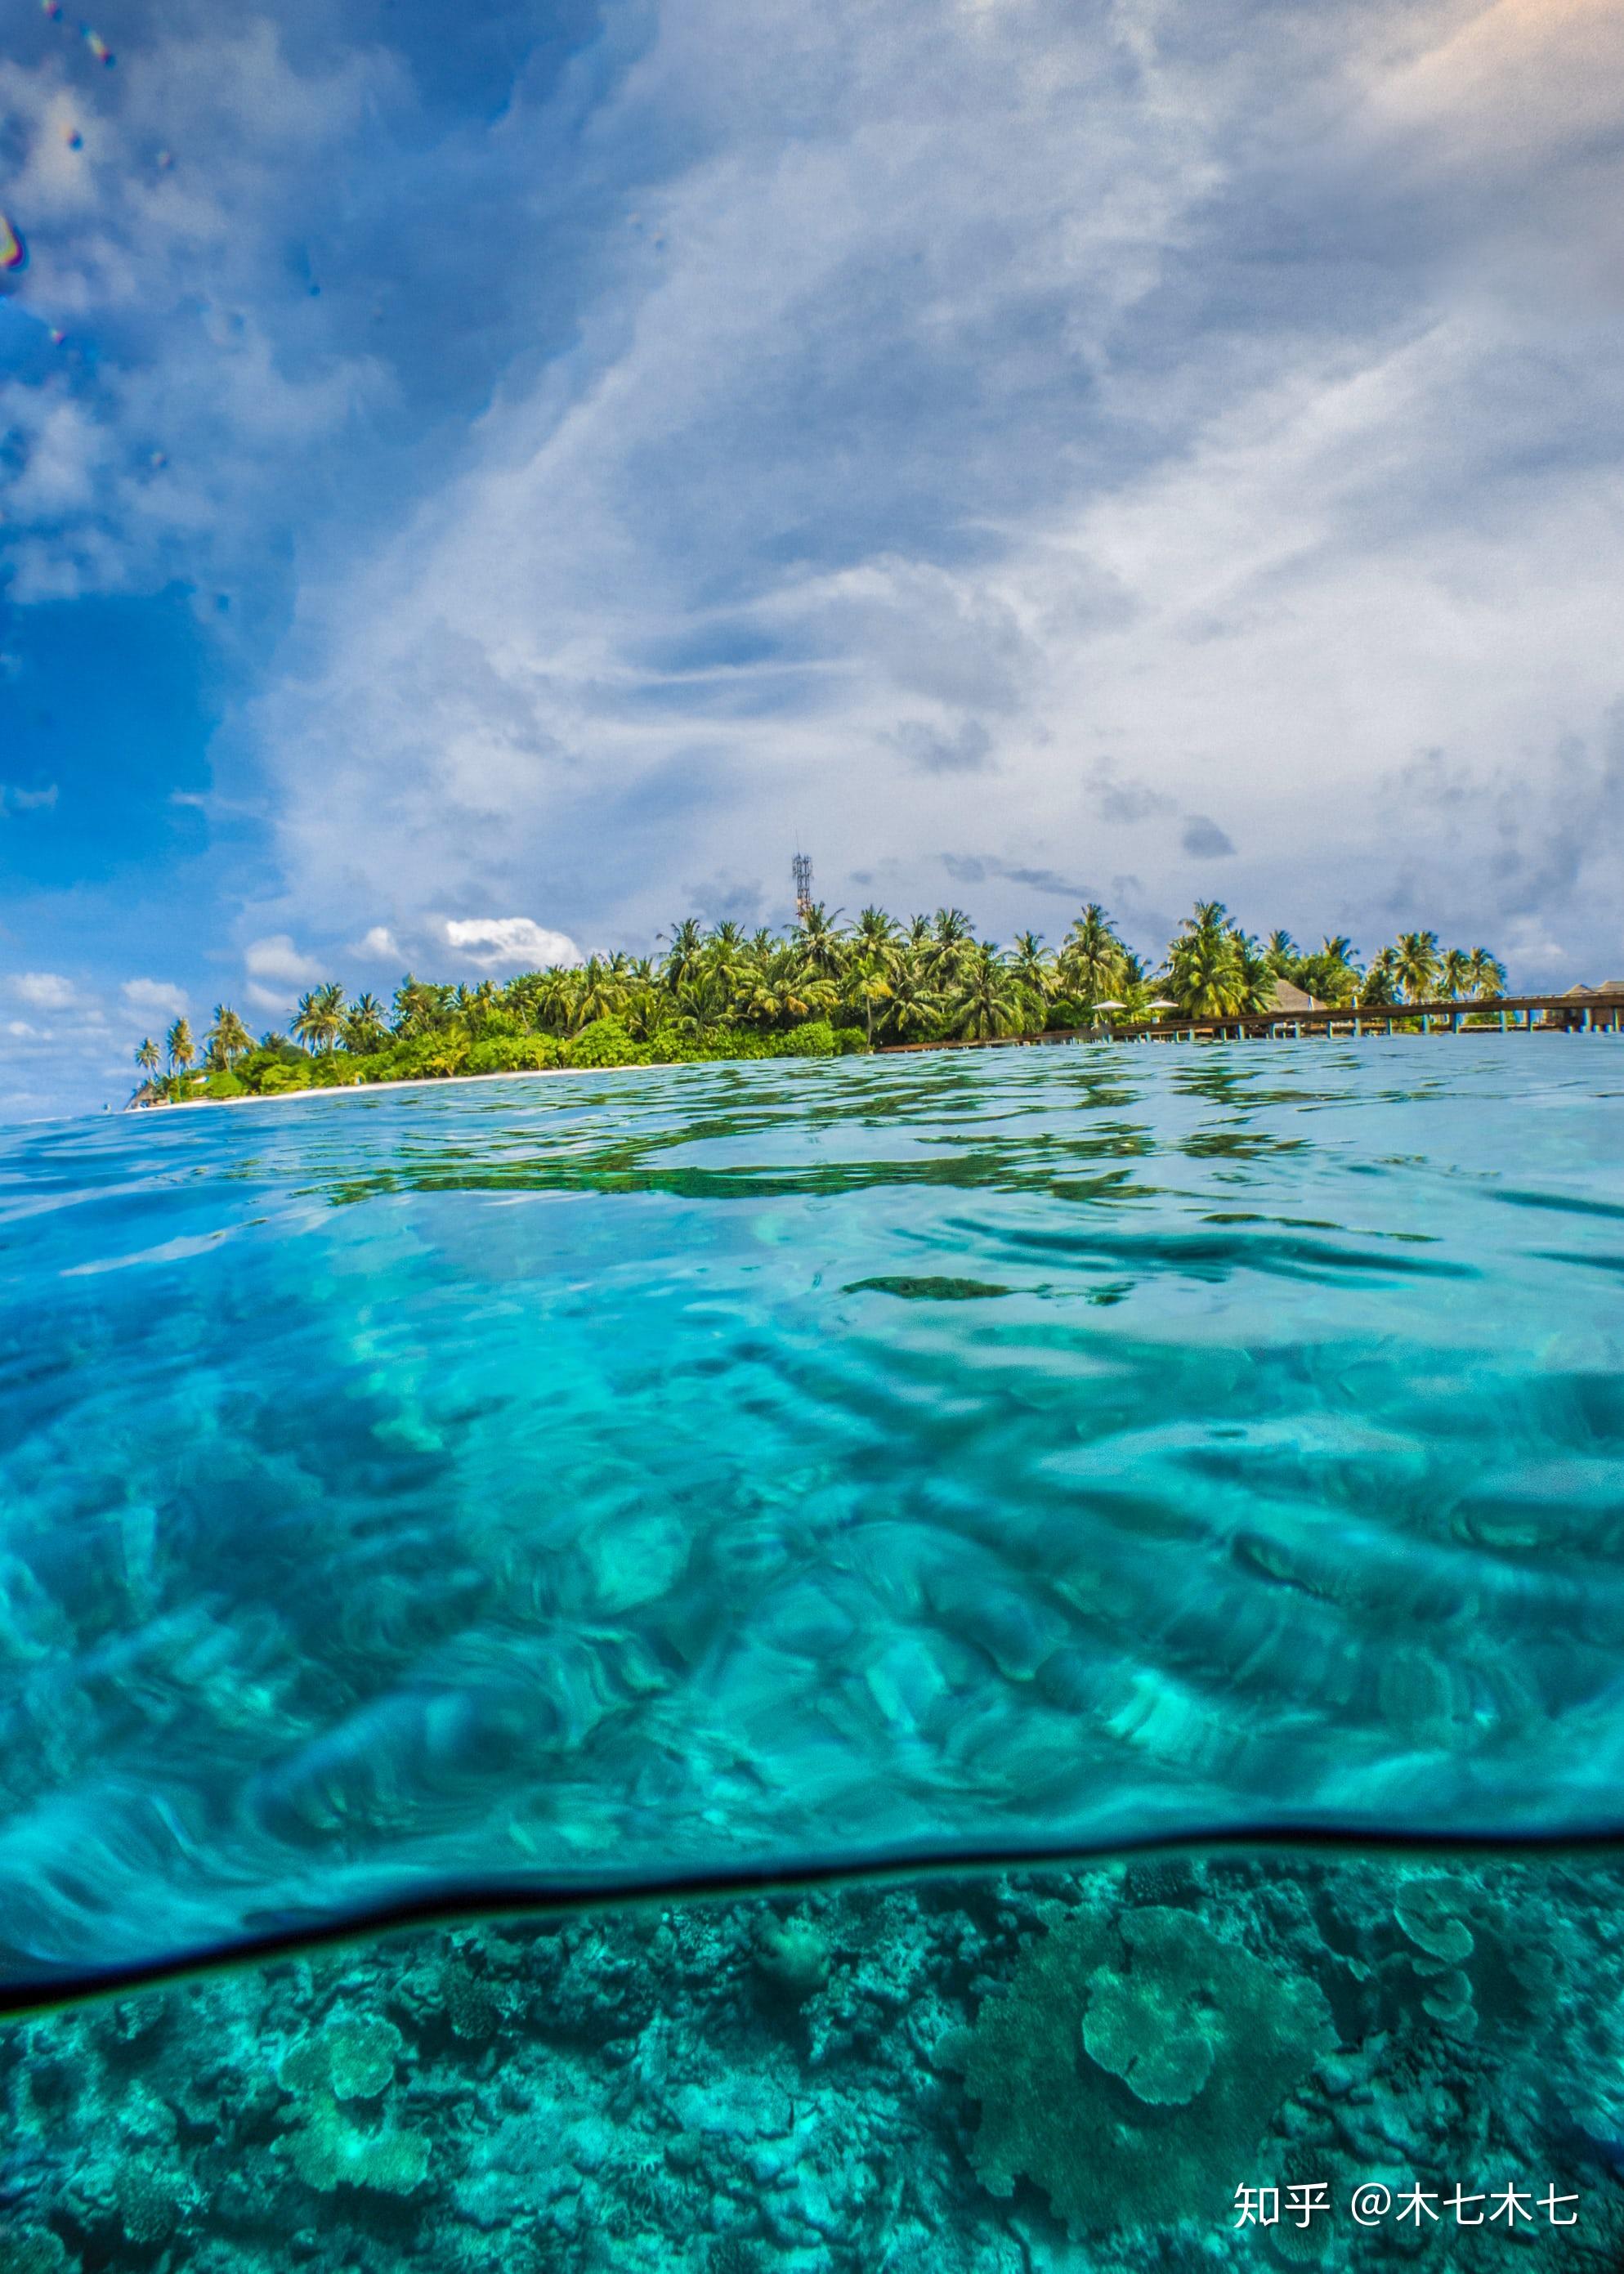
column 820, row 988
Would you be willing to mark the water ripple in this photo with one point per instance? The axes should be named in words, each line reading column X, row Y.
column 593, row 1478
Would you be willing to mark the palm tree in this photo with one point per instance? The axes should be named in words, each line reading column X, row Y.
column 228, row 1039
column 543, row 999
column 1209, row 967
column 950, row 947
column 1137, row 986
column 1091, row 957
column 420, row 1007
column 915, row 1007
column 868, row 990
column 988, row 999
column 364, row 1029
column 703, row 1004
column 1417, row 965
column 643, row 1010
column 875, row 935
column 1381, row 990
column 179, row 1045
column 1034, row 970
column 821, row 944
column 321, row 1016
column 686, row 941
column 598, row 994
column 1282, row 955
column 1485, row 973
column 1455, row 973
column 148, row 1059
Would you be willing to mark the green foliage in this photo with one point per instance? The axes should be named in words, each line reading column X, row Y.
column 513, row 1052
column 604, row 1042
column 825, row 988
column 1133, row 2066
column 440, row 1052
column 331, row 1071
column 373, row 1065
column 815, row 1040
column 270, row 1080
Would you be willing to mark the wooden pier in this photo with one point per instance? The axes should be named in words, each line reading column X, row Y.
column 1599, row 1011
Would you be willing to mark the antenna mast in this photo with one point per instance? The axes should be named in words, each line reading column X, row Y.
column 801, row 868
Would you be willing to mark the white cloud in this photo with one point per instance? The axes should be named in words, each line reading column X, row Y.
column 277, row 958
column 23, row 1031
column 1529, row 944
column 156, row 995
column 28, row 801
column 490, row 941
column 1009, row 425
column 1167, row 434
column 46, row 990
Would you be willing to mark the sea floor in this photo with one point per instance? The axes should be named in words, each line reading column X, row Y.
column 1066, row 2069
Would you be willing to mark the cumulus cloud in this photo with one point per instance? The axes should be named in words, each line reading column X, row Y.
column 46, row 990
column 28, row 801
column 276, row 958
column 890, row 458
column 1020, row 427
column 154, row 995
column 491, row 942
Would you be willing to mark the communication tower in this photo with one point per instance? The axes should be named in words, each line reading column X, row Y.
column 801, row 868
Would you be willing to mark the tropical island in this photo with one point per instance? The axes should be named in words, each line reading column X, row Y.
column 820, row 988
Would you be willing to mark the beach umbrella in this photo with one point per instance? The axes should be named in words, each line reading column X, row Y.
column 1161, row 1003
column 1110, row 1004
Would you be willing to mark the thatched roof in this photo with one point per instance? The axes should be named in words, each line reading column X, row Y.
column 1285, row 997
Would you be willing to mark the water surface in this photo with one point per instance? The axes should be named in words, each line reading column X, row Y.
column 591, row 1479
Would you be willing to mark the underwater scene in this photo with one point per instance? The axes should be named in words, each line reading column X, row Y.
column 993, row 1660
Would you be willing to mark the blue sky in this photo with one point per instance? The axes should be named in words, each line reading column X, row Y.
column 505, row 474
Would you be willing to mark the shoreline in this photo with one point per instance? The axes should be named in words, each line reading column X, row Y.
column 405, row 1081
column 1360, row 1025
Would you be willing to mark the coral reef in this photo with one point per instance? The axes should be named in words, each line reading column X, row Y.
column 328, row 2150
column 1064, row 2072
column 1111, row 2025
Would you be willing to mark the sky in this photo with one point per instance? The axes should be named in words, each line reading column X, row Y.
column 481, row 484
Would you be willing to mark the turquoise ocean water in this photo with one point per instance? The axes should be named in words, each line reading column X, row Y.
column 588, row 1482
